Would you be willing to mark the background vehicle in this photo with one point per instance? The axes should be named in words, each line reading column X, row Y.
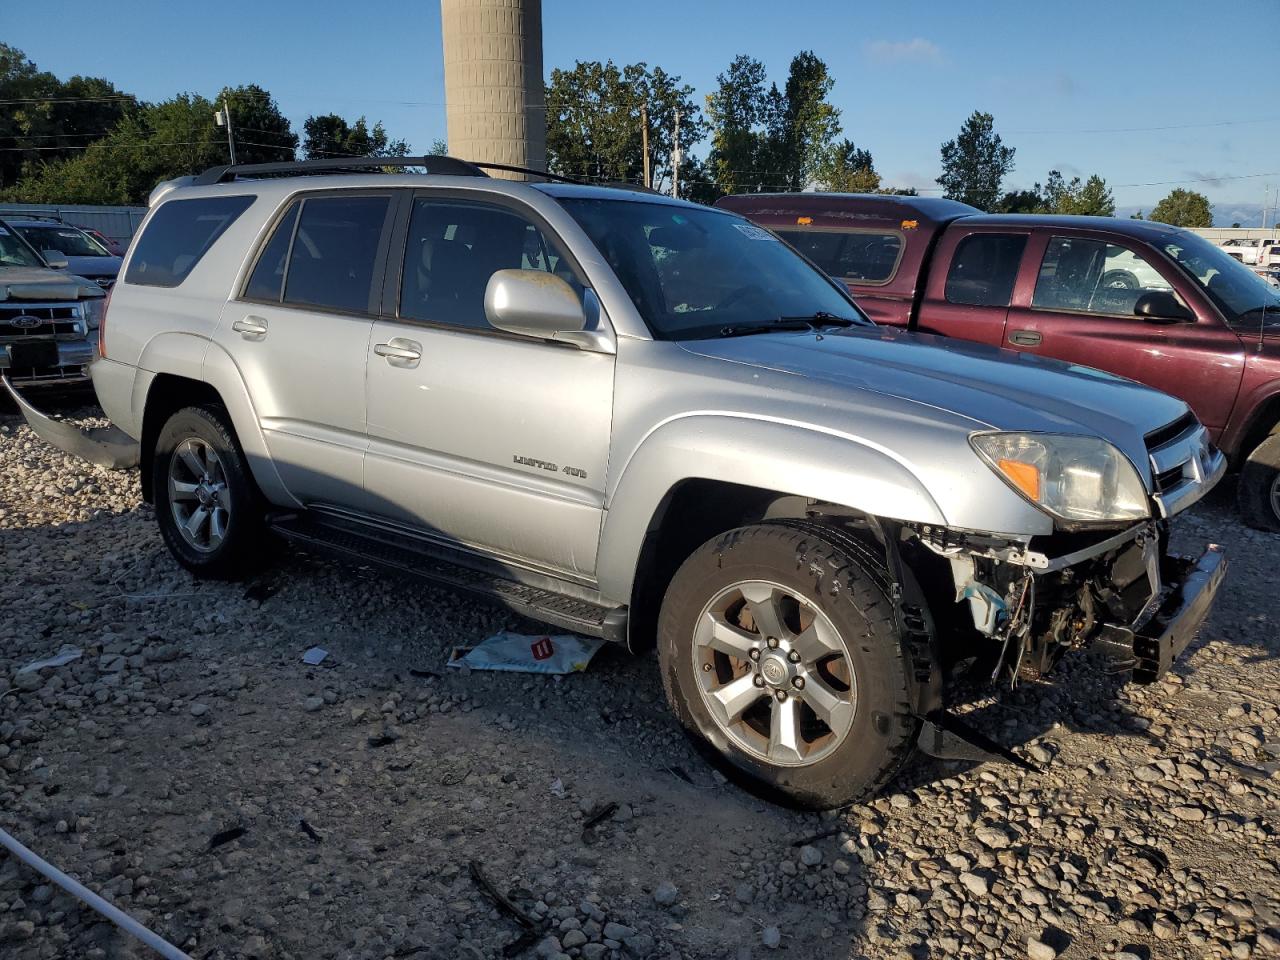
column 1242, row 249
column 46, row 317
column 1143, row 300
column 646, row 420
column 85, row 256
column 113, row 247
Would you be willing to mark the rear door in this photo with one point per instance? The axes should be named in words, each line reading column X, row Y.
column 971, row 284
column 299, row 333
column 1079, row 306
column 477, row 436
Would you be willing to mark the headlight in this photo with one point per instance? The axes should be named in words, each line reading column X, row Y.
column 1075, row 478
column 91, row 310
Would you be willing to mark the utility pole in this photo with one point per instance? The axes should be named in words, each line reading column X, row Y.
column 223, row 119
column 675, row 160
column 644, row 141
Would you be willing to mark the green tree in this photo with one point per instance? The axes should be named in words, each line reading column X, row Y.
column 596, row 114
column 1089, row 198
column 48, row 119
column 1183, row 208
column 975, row 163
column 262, row 133
column 1021, row 201
column 329, row 135
column 152, row 143
column 738, row 111
column 805, row 123
column 848, row 168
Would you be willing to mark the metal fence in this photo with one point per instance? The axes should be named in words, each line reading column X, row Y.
column 118, row 223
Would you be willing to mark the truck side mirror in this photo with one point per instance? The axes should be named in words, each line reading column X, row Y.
column 1162, row 306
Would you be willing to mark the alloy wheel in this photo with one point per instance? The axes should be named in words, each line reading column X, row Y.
column 198, row 494
column 773, row 673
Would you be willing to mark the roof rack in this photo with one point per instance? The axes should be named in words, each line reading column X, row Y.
column 437, row 165
column 447, row 166
column 23, row 215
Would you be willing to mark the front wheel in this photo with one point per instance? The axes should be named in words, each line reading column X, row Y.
column 210, row 512
column 1259, row 489
column 781, row 651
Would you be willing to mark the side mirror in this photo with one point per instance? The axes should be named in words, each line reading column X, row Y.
column 534, row 303
column 1162, row 306
column 55, row 259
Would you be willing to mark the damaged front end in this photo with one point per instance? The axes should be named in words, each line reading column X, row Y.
column 1123, row 592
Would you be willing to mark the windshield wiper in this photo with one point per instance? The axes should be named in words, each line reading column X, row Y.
column 771, row 326
column 824, row 319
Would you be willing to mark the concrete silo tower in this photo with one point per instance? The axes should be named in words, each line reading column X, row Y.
column 493, row 81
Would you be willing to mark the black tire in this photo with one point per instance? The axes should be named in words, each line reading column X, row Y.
column 245, row 546
column 1259, row 490
column 1119, row 280
column 843, row 579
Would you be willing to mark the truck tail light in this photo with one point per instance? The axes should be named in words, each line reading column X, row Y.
column 102, row 326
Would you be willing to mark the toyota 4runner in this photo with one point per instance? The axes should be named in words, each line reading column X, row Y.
column 651, row 421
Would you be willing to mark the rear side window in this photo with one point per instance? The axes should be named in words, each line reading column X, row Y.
column 334, row 251
column 984, row 269
column 267, row 281
column 857, row 256
column 178, row 235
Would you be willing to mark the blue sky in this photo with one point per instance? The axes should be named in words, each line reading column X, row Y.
column 1081, row 86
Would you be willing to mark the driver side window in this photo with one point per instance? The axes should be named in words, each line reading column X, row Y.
column 1093, row 276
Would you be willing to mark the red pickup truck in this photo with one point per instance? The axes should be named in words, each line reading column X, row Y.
column 1143, row 300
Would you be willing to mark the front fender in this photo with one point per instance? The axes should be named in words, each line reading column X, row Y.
column 766, row 454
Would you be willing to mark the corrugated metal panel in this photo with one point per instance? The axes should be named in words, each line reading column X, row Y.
column 118, row 223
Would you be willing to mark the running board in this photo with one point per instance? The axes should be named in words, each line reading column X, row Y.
column 405, row 555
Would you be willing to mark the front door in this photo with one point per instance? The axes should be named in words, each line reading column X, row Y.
column 299, row 333
column 1081, row 309
column 476, row 436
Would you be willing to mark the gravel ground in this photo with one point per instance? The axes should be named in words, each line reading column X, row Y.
column 245, row 805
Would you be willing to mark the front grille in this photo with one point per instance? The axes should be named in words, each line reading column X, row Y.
column 26, row 320
column 1158, row 438
column 1184, row 464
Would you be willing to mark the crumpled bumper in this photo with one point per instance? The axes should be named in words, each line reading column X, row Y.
column 1150, row 649
column 106, row 446
column 47, row 363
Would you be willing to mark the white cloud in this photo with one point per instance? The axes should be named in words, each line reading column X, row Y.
column 916, row 50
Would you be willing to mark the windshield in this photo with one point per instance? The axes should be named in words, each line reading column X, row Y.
column 68, row 241
column 1240, row 292
column 696, row 273
column 15, row 253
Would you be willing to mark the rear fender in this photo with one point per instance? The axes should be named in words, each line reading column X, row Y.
column 805, row 463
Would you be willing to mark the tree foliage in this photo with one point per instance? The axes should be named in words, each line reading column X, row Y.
column 766, row 138
column 595, row 122
column 158, row 142
column 975, row 163
column 51, row 119
column 329, row 135
column 1183, row 208
column 1088, row 198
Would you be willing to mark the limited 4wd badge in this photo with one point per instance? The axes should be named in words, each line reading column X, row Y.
column 548, row 465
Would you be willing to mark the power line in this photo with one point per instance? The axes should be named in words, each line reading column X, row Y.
column 1172, row 126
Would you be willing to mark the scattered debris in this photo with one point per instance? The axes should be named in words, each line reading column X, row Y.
column 681, row 773
column 423, row 674
column 226, row 836
column 496, row 895
column 60, row 659
column 315, row 656
column 381, row 740
column 820, row 835
column 522, row 653
column 557, row 788
column 598, row 816
column 260, row 592
column 310, row 831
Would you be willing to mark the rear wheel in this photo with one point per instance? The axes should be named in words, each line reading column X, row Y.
column 1259, row 489
column 780, row 651
column 209, row 510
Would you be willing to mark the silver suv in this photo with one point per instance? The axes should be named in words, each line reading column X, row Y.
column 651, row 421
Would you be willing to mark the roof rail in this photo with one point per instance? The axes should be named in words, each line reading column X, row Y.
column 447, row 166
column 23, row 215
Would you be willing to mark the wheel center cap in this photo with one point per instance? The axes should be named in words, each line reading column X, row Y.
column 204, row 494
column 775, row 669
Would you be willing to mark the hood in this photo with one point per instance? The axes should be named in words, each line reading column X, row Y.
column 94, row 266
column 42, row 283
column 996, row 389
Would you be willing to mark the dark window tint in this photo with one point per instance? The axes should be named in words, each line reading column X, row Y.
column 454, row 248
column 268, row 276
column 178, row 235
column 854, row 256
column 1093, row 276
column 984, row 268
column 334, row 251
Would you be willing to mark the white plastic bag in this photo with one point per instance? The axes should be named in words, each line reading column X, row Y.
column 521, row 653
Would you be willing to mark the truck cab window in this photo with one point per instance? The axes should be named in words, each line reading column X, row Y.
column 1093, row 276
column 984, row 269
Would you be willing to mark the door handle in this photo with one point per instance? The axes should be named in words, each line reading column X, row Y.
column 1025, row 338
column 399, row 352
column 251, row 328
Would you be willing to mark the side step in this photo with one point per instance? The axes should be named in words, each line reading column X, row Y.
column 407, row 555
